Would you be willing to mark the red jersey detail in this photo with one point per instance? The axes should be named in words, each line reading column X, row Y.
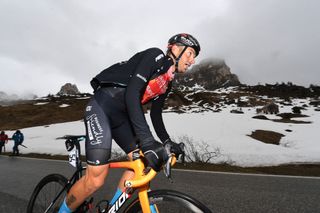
column 158, row 86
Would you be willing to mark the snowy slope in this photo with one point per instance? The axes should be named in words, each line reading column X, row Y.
column 223, row 130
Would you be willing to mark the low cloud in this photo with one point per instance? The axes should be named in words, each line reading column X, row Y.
column 44, row 44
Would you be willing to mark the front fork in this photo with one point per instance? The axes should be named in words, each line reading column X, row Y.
column 144, row 200
column 146, row 206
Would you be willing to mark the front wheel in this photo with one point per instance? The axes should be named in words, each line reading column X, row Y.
column 168, row 201
column 48, row 194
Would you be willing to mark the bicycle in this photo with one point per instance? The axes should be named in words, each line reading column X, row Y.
column 138, row 197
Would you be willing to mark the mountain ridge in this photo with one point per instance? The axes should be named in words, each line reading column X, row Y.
column 66, row 108
column 210, row 73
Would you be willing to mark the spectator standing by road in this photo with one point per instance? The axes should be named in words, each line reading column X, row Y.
column 18, row 138
column 3, row 140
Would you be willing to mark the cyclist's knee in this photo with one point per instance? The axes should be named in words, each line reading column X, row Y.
column 95, row 177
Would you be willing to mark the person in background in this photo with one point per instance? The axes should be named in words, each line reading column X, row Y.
column 3, row 140
column 18, row 138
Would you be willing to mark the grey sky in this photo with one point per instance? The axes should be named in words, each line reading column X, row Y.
column 46, row 43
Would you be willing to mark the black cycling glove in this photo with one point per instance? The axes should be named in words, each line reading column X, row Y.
column 173, row 147
column 154, row 153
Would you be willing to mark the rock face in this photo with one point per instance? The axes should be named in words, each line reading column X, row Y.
column 69, row 89
column 210, row 74
column 270, row 108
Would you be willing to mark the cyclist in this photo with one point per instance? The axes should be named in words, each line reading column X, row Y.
column 115, row 112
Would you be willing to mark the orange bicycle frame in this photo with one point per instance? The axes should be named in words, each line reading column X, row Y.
column 140, row 180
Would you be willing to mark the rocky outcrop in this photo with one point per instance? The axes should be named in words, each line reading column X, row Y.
column 210, row 74
column 270, row 108
column 69, row 89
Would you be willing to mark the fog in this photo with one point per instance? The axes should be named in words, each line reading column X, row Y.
column 45, row 44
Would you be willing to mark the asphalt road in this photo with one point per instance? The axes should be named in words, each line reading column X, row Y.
column 221, row 192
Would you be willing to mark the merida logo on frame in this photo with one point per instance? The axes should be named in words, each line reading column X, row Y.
column 116, row 206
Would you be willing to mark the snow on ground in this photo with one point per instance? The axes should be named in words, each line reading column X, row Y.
column 41, row 103
column 64, row 105
column 223, row 130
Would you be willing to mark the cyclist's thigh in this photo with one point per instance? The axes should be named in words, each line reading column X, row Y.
column 125, row 137
column 109, row 99
column 98, row 134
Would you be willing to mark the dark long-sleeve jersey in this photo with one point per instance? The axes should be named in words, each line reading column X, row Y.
column 147, row 78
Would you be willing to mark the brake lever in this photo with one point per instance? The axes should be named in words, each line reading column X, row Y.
column 167, row 168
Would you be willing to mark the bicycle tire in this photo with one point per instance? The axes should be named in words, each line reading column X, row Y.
column 45, row 192
column 169, row 201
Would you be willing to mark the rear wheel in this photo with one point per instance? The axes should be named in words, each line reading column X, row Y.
column 169, row 201
column 48, row 189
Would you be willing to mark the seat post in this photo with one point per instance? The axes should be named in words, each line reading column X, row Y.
column 78, row 156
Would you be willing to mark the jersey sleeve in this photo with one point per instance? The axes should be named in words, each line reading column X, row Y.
column 135, row 91
column 156, row 115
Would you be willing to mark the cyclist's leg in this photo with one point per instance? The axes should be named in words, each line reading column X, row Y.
column 110, row 100
column 125, row 138
column 98, row 146
column 87, row 185
column 127, row 175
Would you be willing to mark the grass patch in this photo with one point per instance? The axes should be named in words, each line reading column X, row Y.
column 286, row 169
column 291, row 121
column 285, row 118
column 265, row 136
column 291, row 115
column 42, row 156
column 261, row 117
